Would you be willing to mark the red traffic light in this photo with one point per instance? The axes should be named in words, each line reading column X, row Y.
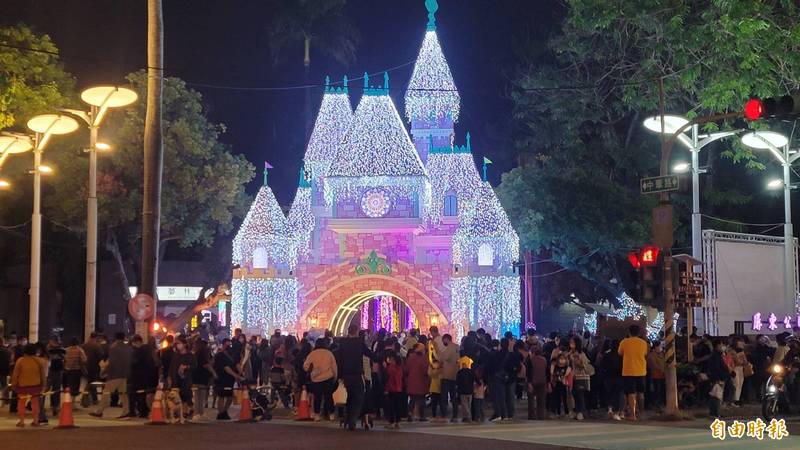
column 649, row 256
column 633, row 258
column 754, row 109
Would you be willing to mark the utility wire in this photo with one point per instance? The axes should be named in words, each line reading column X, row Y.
column 719, row 219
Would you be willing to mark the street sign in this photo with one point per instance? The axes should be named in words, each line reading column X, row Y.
column 141, row 307
column 655, row 185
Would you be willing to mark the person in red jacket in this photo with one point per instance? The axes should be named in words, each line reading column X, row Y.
column 394, row 390
column 417, row 381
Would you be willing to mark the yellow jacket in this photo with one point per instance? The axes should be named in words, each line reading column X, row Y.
column 27, row 372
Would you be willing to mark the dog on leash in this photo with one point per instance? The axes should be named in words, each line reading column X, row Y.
column 174, row 407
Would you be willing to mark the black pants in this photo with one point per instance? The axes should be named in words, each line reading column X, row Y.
column 449, row 395
column 323, row 400
column 355, row 397
column 394, row 406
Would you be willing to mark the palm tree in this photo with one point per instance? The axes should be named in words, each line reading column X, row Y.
column 313, row 24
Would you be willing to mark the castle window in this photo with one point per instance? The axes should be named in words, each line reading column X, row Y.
column 485, row 255
column 450, row 205
column 260, row 258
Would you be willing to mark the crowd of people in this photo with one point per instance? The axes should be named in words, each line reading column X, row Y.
column 394, row 377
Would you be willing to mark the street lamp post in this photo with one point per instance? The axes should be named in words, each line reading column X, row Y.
column 778, row 145
column 10, row 144
column 694, row 144
column 100, row 99
column 45, row 126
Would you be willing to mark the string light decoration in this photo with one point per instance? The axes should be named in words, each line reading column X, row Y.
column 655, row 326
column 484, row 220
column 590, row 322
column 375, row 203
column 491, row 302
column 301, row 221
column 333, row 120
column 630, row 309
column 264, row 303
column 264, row 227
column 452, row 173
column 377, row 152
column 364, row 322
column 431, row 91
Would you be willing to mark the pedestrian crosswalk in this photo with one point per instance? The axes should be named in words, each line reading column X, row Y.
column 605, row 435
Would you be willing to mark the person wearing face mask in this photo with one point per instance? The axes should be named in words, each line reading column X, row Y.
column 181, row 369
column 120, row 358
column 448, row 358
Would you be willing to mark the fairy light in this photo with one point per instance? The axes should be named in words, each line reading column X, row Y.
column 452, row 173
column 590, row 322
column 365, row 315
column 431, row 90
column 491, row 302
column 301, row 221
column 485, row 221
column 264, row 227
column 333, row 120
column 264, row 303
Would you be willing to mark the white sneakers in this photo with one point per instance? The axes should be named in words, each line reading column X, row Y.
column 579, row 416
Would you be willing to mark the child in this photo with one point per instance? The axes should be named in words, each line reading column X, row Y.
column 560, row 374
column 478, row 394
column 278, row 380
column 394, row 391
column 435, row 374
column 465, row 383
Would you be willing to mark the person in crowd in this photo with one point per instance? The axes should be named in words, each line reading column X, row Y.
column 536, row 383
column 201, row 378
column 94, row 354
column 742, row 368
column 560, row 381
column 497, row 376
column 350, row 367
column 782, row 349
column 41, row 355
column 279, row 380
column 465, row 384
column 143, row 365
column 118, row 371
column 582, row 370
column 27, row 381
column 394, row 390
column 417, row 381
column 323, row 372
column 438, row 410
column 55, row 373
column 265, row 355
column 513, row 367
column 74, row 366
column 165, row 356
column 655, row 368
column 478, row 395
column 5, row 369
column 718, row 374
column 368, row 408
column 633, row 351
column 761, row 358
column 447, row 354
column 301, row 379
column 180, row 372
column 227, row 376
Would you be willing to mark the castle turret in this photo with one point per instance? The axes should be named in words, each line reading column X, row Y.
column 301, row 216
column 432, row 100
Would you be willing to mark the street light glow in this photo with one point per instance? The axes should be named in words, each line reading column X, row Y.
column 775, row 184
column 671, row 123
column 102, row 146
column 45, row 169
column 756, row 140
column 681, row 167
column 4, row 184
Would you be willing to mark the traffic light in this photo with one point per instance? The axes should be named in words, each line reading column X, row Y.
column 648, row 274
column 787, row 105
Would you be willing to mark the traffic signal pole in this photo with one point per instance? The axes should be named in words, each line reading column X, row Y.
column 663, row 236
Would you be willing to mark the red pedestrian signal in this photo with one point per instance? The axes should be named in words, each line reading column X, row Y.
column 649, row 256
column 753, row 109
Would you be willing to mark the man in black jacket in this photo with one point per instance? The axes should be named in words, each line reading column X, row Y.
column 350, row 362
column 718, row 374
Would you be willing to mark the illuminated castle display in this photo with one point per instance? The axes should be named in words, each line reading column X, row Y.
column 388, row 229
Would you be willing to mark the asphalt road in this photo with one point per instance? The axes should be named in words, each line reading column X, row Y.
column 230, row 436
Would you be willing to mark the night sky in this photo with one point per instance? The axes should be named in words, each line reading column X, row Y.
column 225, row 43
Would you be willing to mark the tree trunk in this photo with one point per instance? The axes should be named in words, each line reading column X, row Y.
column 153, row 153
column 306, row 78
column 112, row 246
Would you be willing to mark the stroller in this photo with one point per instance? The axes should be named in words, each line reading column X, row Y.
column 260, row 404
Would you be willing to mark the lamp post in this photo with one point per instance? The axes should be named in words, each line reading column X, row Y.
column 694, row 144
column 10, row 144
column 45, row 126
column 100, row 99
column 778, row 145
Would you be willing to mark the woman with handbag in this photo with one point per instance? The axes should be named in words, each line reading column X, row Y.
column 74, row 366
column 321, row 364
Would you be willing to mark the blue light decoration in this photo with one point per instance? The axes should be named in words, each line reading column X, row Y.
column 485, row 221
column 264, row 303
column 452, row 171
column 301, row 218
column 590, row 322
column 488, row 301
column 333, row 120
column 431, row 91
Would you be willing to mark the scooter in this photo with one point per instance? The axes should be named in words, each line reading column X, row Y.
column 774, row 392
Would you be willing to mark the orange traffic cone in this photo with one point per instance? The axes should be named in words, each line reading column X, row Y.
column 245, row 413
column 303, row 411
column 65, row 419
column 157, row 411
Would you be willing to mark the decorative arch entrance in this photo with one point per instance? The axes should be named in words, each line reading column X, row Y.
column 334, row 305
column 376, row 309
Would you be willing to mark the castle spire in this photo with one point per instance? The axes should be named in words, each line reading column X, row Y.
column 432, row 6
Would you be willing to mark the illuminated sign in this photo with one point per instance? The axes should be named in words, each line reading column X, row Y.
column 174, row 293
column 772, row 322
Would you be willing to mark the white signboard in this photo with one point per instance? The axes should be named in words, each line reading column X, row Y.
column 174, row 293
